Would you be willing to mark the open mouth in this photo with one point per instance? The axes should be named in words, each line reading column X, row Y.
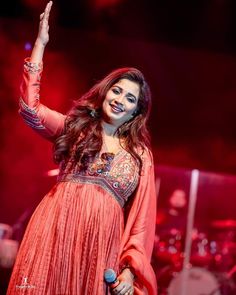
column 117, row 109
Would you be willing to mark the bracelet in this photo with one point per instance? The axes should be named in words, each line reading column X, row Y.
column 32, row 67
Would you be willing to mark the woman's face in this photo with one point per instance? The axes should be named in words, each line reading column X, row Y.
column 120, row 102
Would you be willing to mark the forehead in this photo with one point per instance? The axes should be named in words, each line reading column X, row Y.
column 129, row 86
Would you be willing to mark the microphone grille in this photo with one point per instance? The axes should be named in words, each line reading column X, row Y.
column 109, row 275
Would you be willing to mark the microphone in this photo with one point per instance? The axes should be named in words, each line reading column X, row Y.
column 111, row 278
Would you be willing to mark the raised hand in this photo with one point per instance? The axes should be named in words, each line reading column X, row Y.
column 43, row 35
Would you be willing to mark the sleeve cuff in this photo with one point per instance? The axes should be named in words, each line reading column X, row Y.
column 30, row 116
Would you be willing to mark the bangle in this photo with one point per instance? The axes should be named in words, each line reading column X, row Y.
column 32, row 67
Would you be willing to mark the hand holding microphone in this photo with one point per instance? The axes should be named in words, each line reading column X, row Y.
column 111, row 278
column 123, row 284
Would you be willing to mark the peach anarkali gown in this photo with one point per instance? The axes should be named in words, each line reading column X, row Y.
column 85, row 223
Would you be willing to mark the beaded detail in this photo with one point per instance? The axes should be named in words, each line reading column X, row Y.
column 31, row 118
column 32, row 67
column 103, row 165
column 117, row 174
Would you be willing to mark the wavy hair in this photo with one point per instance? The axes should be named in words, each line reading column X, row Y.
column 82, row 136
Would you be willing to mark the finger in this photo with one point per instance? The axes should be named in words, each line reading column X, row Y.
column 123, row 288
column 48, row 7
column 47, row 10
column 45, row 14
column 128, row 290
column 119, row 289
column 124, row 291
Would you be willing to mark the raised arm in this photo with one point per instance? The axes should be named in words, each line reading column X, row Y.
column 43, row 36
column 45, row 121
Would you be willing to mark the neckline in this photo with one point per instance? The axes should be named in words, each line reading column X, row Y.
column 115, row 154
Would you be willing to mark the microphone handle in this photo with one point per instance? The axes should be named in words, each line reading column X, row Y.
column 114, row 284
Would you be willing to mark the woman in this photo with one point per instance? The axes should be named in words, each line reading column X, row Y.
column 101, row 212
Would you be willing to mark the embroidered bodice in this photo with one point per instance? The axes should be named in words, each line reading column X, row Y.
column 117, row 174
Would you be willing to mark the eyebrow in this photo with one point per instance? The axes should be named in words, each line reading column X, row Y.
column 130, row 94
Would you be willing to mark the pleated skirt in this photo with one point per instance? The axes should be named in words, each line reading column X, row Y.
column 72, row 237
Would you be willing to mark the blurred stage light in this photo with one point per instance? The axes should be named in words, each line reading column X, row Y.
column 53, row 172
column 28, row 46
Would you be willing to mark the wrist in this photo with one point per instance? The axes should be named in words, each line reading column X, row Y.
column 40, row 43
column 37, row 52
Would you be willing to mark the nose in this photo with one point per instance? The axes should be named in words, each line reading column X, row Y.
column 119, row 99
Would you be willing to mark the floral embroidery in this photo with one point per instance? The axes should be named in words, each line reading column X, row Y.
column 118, row 174
column 103, row 165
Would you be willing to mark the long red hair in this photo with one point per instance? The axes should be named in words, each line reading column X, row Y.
column 82, row 139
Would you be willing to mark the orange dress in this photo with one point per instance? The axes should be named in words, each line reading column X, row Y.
column 83, row 225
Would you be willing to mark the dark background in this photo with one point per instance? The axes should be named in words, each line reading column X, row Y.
column 185, row 49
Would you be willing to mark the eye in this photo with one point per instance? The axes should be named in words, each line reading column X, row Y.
column 115, row 90
column 131, row 99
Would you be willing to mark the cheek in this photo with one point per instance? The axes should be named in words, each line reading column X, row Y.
column 104, row 104
column 107, row 99
column 131, row 109
column 108, row 96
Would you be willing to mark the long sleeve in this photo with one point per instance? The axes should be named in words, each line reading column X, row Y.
column 43, row 120
column 138, row 238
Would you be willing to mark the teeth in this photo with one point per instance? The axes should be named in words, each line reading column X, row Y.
column 117, row 108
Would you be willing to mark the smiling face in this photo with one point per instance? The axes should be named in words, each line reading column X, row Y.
column 121, row 102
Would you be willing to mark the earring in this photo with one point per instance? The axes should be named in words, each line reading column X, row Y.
column 93, row 113
column 134, row 113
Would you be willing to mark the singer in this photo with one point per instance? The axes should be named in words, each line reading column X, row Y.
column 101, row 212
